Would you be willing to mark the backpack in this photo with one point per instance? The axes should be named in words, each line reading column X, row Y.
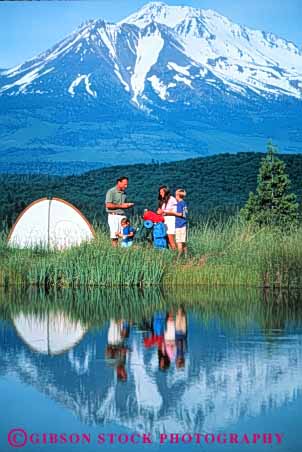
column 159, row 235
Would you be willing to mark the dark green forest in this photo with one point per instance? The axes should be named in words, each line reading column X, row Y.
column 217, row 185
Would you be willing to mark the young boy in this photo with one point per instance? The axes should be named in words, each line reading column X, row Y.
column 181, row 222
column 127, row 233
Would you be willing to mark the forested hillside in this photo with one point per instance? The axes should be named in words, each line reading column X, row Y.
column 218, row 183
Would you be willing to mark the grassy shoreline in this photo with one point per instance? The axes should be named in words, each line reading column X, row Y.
column 229, row 254
column 235, row 308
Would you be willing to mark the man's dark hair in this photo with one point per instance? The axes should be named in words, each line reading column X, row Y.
column 122, row 178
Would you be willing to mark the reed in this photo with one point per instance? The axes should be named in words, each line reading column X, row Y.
column 222, row 254
column 234, row 254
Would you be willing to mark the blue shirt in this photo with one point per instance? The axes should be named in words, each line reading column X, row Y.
column 181, row 207
column 126, row 231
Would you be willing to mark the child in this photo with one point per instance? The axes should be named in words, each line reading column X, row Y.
column 127, row 233
column 181, row 222
column 180, row 337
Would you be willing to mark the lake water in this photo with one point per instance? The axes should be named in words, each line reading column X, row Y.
column 125, row 370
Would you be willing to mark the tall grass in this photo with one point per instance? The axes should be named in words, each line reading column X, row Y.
column 91, row 264
column 221, row 254
column 234, row 254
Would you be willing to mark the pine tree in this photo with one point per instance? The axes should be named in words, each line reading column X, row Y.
column 272, row 204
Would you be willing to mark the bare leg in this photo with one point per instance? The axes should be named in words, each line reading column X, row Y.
column 185, row 249
column 114, row 242
column 171, row 241
column 180, row 248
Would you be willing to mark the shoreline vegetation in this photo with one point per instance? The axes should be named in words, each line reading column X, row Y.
column 230, row 254
column 236, row 308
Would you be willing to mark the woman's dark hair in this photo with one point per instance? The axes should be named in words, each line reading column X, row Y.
column 166, row 197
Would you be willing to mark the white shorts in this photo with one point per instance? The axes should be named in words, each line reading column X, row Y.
column 170, row 223
column 181, row 235
column 126, row 244
column 114, row 222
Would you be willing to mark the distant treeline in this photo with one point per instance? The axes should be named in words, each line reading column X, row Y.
column 218, row 184
column 54, row 168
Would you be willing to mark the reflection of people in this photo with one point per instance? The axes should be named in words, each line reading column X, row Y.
column 127, row 233
column 116, row 349
column 158, row 338
column 115, row 207
column 163, row 358
column 181, row 322
column 180, row 337
column 167, row 207
column 158, row 325
column 120, row 368
column 170, row 336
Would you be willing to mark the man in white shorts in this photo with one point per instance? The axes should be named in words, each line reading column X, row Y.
column 115, row 207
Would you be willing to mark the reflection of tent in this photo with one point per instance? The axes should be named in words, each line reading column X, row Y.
column 50, row 223
column 52, row 334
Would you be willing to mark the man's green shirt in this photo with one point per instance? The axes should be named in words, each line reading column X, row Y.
column 115, row 196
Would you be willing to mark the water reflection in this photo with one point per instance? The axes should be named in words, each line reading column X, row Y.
column 168, row 335
column 155, row 364
column 116, row 350
column 52, row 333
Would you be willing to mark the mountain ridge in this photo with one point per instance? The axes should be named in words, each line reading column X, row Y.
column 165, row 83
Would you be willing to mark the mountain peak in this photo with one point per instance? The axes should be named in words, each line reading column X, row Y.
column 155, row 5
column 161, row 12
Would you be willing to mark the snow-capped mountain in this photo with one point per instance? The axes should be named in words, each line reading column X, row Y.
column 150, row 72
column 239, row 57
column 203, row 46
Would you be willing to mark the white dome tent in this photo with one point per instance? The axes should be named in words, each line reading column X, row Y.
column 50, row 223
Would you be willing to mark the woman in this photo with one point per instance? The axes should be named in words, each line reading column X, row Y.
column 167, row 207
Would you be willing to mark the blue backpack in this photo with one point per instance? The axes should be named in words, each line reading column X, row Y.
column 159, row 235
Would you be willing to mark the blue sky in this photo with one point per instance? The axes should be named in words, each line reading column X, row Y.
column 28, row 28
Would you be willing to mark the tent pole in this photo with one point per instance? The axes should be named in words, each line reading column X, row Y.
column 48, row 225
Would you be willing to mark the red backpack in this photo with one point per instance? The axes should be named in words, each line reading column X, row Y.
column 155, row 217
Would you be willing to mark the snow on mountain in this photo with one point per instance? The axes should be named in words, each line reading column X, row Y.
column 251, row 59
column 81, row 59
column 149, row 46
column 166, row 77
column 204, row 47
column 77, row 81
